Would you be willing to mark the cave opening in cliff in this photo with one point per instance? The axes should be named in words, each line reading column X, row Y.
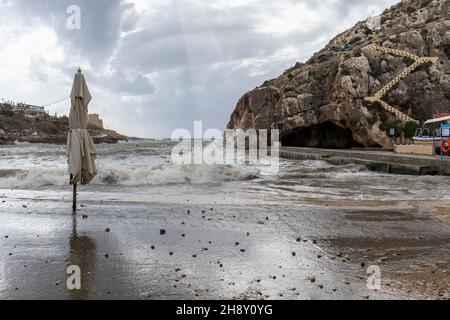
column 325, row 135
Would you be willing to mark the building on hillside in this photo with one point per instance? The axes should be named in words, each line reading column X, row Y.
column 95, row 120
column 26, row 108
column 32, row 109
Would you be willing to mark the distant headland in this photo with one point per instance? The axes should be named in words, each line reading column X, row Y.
column 21, row 122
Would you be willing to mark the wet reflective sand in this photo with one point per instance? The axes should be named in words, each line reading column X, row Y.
column 221, row 247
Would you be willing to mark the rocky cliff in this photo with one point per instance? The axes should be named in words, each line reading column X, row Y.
column 322, row 103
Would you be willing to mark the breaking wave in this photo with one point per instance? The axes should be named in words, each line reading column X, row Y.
column 121, row 176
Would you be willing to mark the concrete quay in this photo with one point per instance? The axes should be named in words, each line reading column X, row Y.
column 376, row 160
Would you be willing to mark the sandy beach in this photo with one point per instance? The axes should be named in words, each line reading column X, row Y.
column 187, row 247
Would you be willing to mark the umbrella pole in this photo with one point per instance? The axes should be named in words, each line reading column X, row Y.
column 74, row 205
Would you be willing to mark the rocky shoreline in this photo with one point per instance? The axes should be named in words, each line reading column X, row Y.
column 16, row 127
column 109, row 136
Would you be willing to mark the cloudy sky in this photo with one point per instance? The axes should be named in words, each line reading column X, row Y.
column 157, row 65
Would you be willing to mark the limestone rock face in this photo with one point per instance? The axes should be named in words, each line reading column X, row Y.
column 320, row 103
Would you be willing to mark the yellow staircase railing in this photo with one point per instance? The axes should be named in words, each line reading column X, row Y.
column 418, row 61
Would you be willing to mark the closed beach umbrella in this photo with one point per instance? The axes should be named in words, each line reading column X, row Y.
column 80, row 147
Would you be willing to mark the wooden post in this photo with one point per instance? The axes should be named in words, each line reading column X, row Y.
column 74, row 205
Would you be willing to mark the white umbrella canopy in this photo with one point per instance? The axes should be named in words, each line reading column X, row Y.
column 80, row 147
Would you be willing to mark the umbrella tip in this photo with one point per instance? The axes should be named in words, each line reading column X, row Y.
column 79, row 70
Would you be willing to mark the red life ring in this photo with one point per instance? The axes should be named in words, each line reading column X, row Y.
column 445, row 146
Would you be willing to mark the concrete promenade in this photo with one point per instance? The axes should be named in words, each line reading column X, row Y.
column 376, row 160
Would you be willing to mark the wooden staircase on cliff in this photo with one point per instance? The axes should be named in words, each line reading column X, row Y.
column 418, row 61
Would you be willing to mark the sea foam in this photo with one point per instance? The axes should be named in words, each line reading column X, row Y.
column 123, row 176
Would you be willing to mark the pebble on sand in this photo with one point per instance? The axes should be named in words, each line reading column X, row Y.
column 84, row 216
column 294, row 254
column 107, row 230
column 145, row 295
column 162, row 232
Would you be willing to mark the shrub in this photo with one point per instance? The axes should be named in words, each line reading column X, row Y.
column 410, row 129
column 7, row 112
column 447, row 51
column 334, row 73
column 372, row 104
column 372, row 119
column 354, row 121
column 48, row 126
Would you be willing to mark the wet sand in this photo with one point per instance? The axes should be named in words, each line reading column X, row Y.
column 192, row 247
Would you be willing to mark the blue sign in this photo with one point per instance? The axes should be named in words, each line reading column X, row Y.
column 445, row 130
column 445, row 139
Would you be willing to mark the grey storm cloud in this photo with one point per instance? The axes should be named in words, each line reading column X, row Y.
column 119, row 82
column 176, row 61
column 100, row 28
